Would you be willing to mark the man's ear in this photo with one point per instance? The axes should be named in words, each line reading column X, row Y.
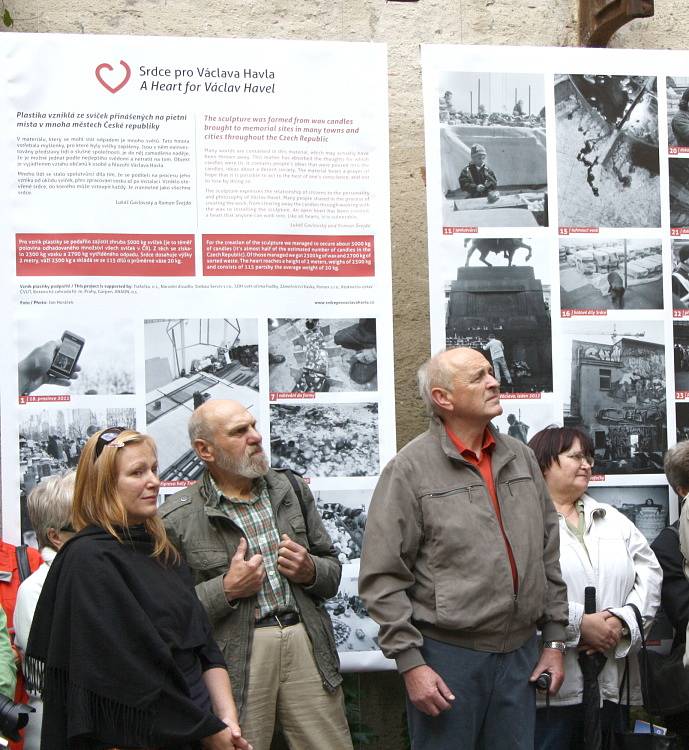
column 442, row 398
column 204, row 450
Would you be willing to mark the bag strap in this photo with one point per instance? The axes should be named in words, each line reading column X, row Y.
column 23, row 565
column 297, row 491
column 643, row 670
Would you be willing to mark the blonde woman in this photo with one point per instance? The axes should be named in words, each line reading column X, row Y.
column 120, row 645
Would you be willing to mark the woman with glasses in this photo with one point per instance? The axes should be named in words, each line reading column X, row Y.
column 120, row 645
column 599, row 547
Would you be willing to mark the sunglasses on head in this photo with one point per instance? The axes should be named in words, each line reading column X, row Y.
column 105, row 438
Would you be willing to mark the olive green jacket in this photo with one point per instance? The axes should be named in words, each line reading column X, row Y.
column 207, row 539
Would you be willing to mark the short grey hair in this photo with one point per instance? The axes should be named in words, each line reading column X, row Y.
column 50, row 505
column 676, row 465
column 434, row 373
column 199, row 429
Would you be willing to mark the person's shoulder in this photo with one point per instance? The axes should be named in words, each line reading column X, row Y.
column 182, row 503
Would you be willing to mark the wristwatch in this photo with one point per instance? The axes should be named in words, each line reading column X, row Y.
column 558, row 645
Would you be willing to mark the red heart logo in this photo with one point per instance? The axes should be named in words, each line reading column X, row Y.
column 105, row 84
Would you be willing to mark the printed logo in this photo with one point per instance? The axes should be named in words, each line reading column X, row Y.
column 108, row 67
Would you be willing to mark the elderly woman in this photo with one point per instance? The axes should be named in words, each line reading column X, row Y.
column 120, row 644
column 50, row 513
column 599, row 547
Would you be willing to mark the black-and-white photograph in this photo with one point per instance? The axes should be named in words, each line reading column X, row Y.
column 647, row 507
column 76, row 355
column 493, row 149
column 344, row 516
column 353, row 627
column 189, row 361
column 682, row 420
column 312, row 355
column 325, row 440
column 680, row 340
column 610, row 274
column 607, row 151
column 617, row 392
column 680, row 274
column 50, row 444
column 497, row 299
column 678, row 111
column 679, row 192
column 522, row 419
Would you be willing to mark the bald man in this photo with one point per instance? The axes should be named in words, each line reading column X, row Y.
column 460, row 565
column 263, row 565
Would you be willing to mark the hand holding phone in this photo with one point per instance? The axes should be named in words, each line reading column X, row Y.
column 35, row 369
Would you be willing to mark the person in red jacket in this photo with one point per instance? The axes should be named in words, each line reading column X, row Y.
column 10, row 578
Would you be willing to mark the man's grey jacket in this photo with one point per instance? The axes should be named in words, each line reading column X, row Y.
column 207, row 539
column 434, row 560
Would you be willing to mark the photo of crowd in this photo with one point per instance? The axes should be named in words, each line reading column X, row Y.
column 607, row 151
column 493, row 149
column 325, row 440
column 50, row 442
column 311, row 355
column 610, row 274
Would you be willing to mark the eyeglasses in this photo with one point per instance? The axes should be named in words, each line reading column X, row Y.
column 579, row 457
column 68, row 528
column 106, row 437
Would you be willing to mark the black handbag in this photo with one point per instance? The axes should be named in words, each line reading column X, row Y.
column 665, row 681
column 624, row 738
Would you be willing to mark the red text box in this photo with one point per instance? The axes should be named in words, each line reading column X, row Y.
column 105, row 254
column 288, row 255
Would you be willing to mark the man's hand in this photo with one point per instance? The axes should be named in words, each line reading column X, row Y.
column 244, row 577
column 295, row 563
column 481, row 188
column 600, row 631
column 228, row 739
column 551, row 661
column 427, row 690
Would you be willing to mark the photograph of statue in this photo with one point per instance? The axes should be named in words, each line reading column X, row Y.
column 497, row 301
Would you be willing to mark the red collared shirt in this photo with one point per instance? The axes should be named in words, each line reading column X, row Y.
column 485, row 468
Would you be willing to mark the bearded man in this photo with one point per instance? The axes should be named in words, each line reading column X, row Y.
column 263, row 565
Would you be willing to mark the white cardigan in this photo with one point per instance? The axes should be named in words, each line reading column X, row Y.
column 623, row 569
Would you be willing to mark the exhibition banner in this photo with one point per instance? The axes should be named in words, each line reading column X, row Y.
column 193, row 219
column 558, row 245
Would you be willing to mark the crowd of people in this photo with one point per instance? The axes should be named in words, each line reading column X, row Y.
column 496, row 580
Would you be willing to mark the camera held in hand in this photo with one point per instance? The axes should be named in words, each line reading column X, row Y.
column 13, row 717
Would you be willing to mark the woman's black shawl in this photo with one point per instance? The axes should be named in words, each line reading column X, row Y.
column 102, row 647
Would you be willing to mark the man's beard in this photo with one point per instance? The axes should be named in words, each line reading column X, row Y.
column 250, row 466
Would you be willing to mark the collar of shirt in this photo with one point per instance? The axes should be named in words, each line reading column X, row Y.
column 257, row 489
column 487, row 446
